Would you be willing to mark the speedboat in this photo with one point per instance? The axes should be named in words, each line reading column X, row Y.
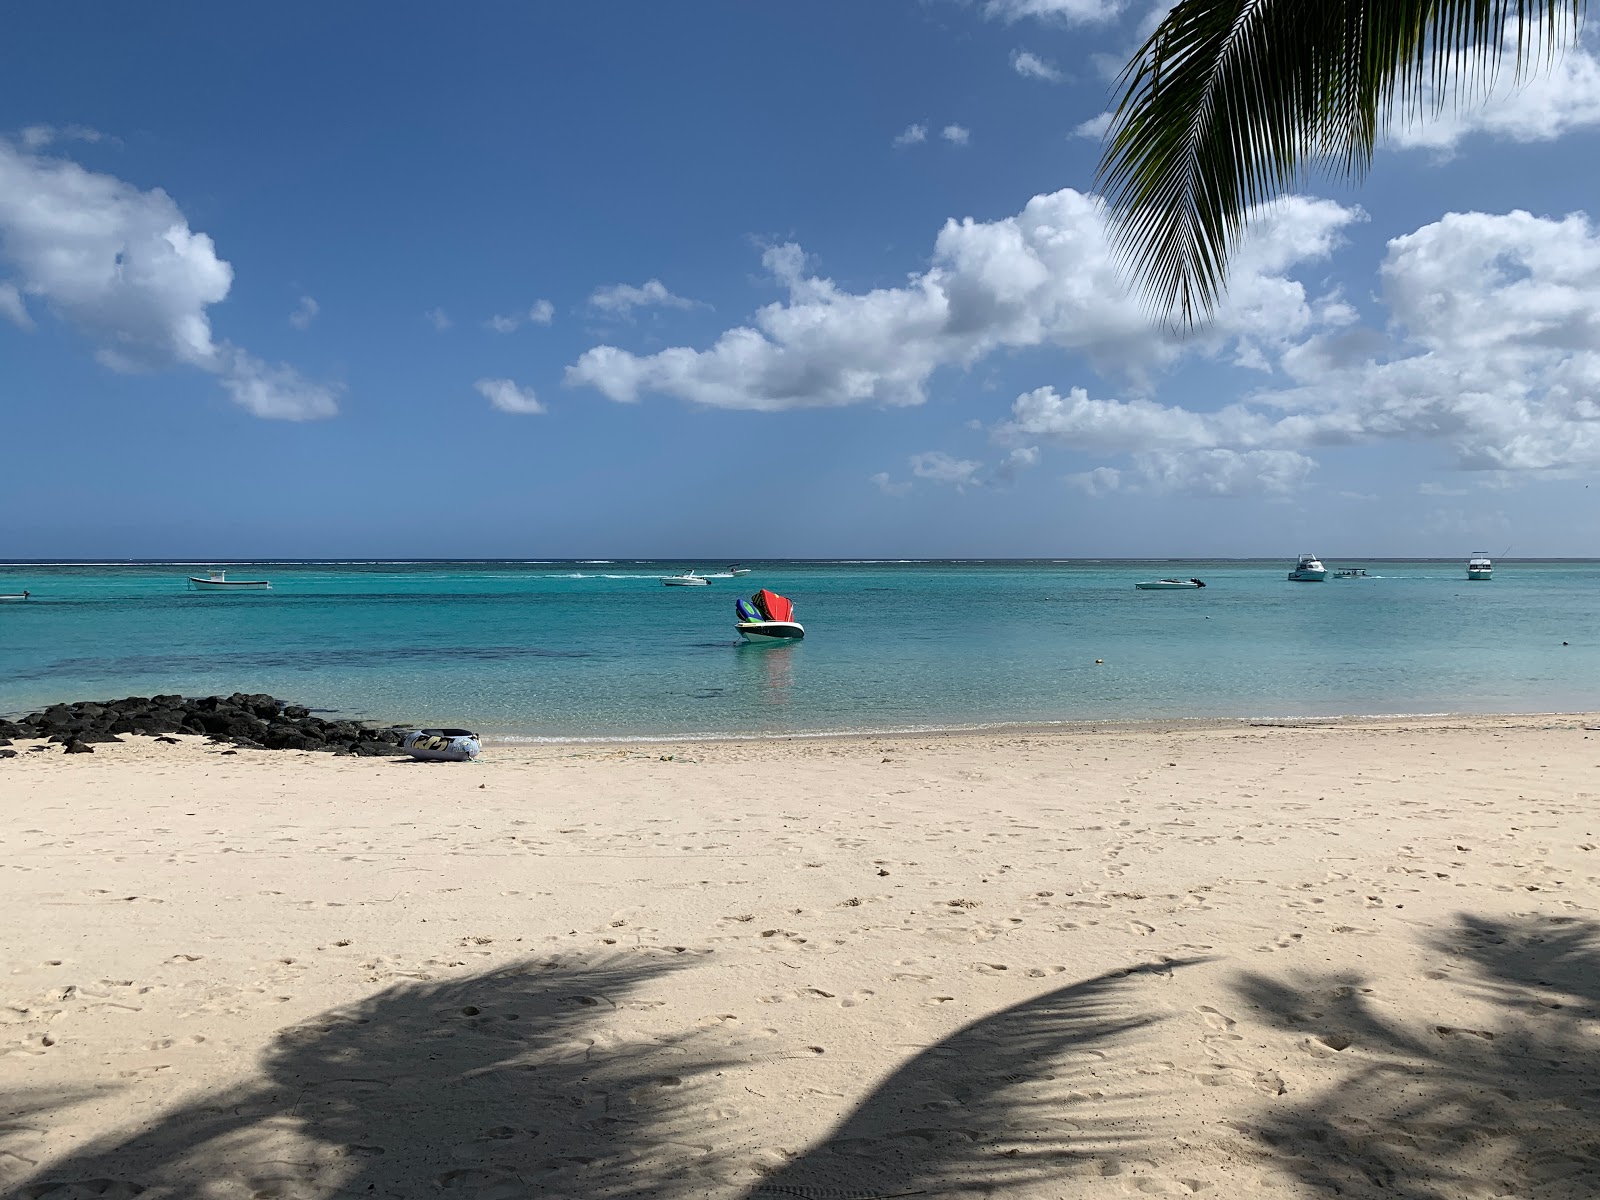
column 218, row 581
column 17, row 597
column 1308, row 570
column 1352, row 573
column 767, row 617
column 1479, row 566
column 736, row 569
column 687, row 579
column 1168, row 585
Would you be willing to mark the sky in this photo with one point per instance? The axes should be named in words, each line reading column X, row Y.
column 733, row 280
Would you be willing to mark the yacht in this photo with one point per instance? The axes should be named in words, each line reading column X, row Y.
column 1479, row 565
column 687, row 579
column 1308, row 570
column 218, row 581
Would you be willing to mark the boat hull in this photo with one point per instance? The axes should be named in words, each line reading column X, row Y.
column 229, row 585
column 1167, row 585
column 766, row 632
column 1307, row 576
column 678, row 582
column 17, row 599
column 1482, row 573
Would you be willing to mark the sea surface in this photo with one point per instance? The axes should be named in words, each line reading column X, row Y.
column 594, row 650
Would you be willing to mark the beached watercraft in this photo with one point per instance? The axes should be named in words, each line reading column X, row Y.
column 218, row 581
column 1308, row 570
column 442, row 745
column 767, row 617
column 687, row 579
column 1167, row 585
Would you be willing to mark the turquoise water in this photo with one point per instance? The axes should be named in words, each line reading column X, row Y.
column 603, row 650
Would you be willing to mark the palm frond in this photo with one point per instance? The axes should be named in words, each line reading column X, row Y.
column 1230, row 102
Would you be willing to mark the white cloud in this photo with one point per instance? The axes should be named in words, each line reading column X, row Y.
column 302, row 316
column 1099, row 482
column 911, row 135
column 12, row 307
column 37, row 137
column 438, row 318
column 1046, row 276
column 541, row 313
column 1224, row 472
column 888, row 486
column 940, row 467
column 620, row 299
column 123, row 267
column 1439, row 489
column 1552, row 99
column 508, row 397
column 1018, row 461
column 1094, row 127
column 958, row 135
column 1083, row 12
column 1030, row 66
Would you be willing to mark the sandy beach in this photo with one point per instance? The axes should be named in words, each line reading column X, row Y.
column 1351, row 958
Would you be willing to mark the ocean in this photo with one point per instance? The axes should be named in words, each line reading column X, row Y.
column 599, row 649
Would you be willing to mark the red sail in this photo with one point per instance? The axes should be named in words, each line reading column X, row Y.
column 775, row 606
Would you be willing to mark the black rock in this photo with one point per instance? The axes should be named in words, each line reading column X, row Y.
column 79, row 748
column 8, row 753
column 37, row 749
column 171, row 741
column 4, row 741
column 296, row 712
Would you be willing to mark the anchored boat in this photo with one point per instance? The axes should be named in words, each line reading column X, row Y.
column 1480, row 566
column 767, row 617
column 218, row 581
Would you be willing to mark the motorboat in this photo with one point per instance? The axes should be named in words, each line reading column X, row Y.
column 14, row 597
column 442, row 745
column 687, row 579
column 1352, row 573
column 1308, row 570
column 736, row 569
column 218, row 581
column 1480, row 566
column 1169, row 585
column 767, row 618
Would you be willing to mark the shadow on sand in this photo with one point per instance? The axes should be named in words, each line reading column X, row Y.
column 527, row 1081
column 1508, row 1107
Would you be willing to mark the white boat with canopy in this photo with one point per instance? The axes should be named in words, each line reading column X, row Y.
column 1480, row 565
column 1308, row 570
column 687, row 579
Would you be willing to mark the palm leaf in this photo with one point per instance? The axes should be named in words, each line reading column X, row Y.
column 1231, row 102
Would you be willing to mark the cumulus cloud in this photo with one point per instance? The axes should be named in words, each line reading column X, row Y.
column 12, row 307
column 123, row 267
column 939, row 467
column 1030, row 66
column 620, row 299
column 37, row 137
column 1079, row 12
column 1094, row 127
column 508, row 397
column 911, row 135
column 438, row 318
column 958, row 135
column 1550, row 100
column 1047, row 276
column 305, row 313
column 888, row 486
column 541, row 313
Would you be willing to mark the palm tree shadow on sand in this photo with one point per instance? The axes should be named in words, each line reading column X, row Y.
column 526, row 1081
column 1507, row 1107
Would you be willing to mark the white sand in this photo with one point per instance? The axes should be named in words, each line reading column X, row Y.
column 1229, row 961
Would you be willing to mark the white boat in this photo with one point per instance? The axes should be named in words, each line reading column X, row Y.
column 218, row 581
column 767, row 618
column 1308, row 570
column 1169, row 585
column 442, row 745
column 1479, row 566
column 736, row 569
column 687, row 579
column 1352, row 573
column 14, row 597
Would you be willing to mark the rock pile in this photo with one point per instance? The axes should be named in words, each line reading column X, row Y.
column 256, row 722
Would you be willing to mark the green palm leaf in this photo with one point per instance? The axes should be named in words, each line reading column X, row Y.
column 1231, row 102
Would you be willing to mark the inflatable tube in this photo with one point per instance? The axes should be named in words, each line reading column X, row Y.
column 442, row 745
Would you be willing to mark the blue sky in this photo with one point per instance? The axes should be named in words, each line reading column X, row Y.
column 744, row 280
